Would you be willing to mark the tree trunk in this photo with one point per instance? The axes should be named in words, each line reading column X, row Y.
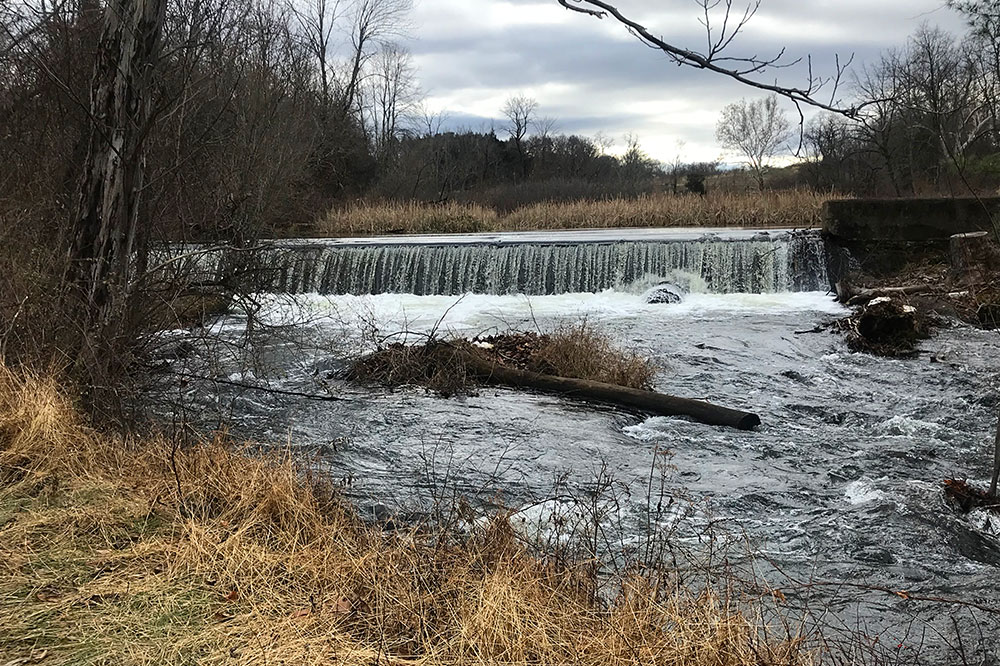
column 647, row 401
column 996, row 461
column 105, row 220
column 758, row 174
column 972, row 257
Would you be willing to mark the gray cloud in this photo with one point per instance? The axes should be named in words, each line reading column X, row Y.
column 593, row 76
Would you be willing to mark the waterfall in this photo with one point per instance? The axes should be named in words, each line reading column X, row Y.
column 758, row 263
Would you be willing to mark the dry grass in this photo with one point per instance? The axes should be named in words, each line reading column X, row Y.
column 579, row 350
column 575, row 350
column 438, row 365
column 785, row 208
column 121, row 552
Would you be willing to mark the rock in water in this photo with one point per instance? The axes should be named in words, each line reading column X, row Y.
column 665, row 293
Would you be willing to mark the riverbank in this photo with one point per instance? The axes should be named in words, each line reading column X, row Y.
column 116, row 550
column 782, row 209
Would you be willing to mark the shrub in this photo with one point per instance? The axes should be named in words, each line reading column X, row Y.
column 577, row 351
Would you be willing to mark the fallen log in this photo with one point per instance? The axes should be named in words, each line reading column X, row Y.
column 646, row 401
column 861, row 295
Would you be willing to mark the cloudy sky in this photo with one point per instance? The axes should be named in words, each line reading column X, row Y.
column 592, row 76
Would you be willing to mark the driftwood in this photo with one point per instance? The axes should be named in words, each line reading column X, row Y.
column 860, row 295
column 851, row 295
column 646, row 401
column 975, row 258
column 968, row 498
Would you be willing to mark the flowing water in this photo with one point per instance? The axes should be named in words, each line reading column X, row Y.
column 841, row 482
column 531, row 263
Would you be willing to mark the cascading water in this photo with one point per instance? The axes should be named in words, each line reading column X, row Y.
column 761, row 263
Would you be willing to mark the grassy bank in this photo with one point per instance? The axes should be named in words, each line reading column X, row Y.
column 786, row 208
column 118, row 551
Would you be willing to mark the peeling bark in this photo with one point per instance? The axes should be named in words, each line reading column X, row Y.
column 105, row 220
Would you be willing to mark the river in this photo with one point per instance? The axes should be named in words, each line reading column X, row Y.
column 842, row 482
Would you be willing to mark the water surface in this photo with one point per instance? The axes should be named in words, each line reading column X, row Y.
column 842, row 482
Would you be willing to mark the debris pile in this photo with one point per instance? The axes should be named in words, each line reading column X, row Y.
column 453, row 366
column 886, row 327
column 967, row 497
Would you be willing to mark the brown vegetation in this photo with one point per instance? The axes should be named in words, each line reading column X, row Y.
column 577, row 351
column 967, row 497
column 127, row 552
column 790, row 208
column 581, row 351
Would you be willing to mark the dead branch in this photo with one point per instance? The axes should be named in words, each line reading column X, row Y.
column 741, row 69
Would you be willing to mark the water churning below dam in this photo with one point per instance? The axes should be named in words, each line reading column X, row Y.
column 723, row 261
column 839, row 488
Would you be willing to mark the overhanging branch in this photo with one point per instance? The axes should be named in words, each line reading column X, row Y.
column 713, row 59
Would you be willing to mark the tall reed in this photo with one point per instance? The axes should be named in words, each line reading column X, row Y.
column 785, row 208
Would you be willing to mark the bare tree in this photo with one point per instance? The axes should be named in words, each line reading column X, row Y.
column 676, row 166
column 758, row 129
column 106, row 221
column 940, row 91
column 519, row 112
column 835, row 156
column 429, row 122
column 374, row 22
column 392, row 96
column 723, row 24
column 636, row 165
column 603, row 142
column 316, row 20
column 882, row 129
column 545, row 127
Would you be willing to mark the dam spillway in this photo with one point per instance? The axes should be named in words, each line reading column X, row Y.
column 538, row 263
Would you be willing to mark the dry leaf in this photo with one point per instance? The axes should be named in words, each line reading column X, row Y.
column 232, row 596
column 343, row 606
column 302, row 612
column 45, row 596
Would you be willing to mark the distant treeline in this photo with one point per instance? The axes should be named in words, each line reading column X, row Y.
column 268, row 113
column 931, row 124
column 506, row 174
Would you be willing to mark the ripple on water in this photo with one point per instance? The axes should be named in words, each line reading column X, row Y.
column 841, row 482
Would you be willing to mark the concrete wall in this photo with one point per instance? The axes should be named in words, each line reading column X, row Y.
column 883, row 235
column 907, row 220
